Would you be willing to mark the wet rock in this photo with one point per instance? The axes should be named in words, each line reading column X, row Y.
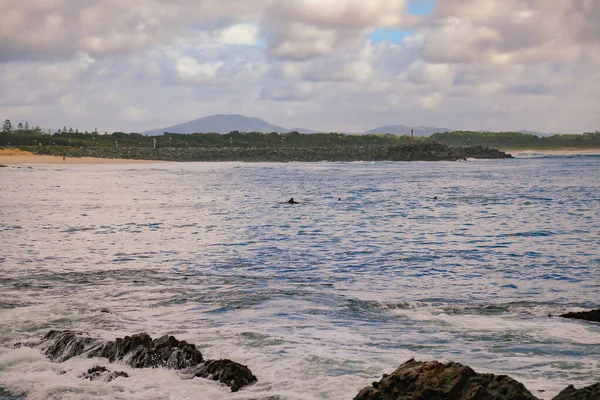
column 593, row 315
column 141, row 351
column 3, row 166
column 587, row 393
column 228, row 372
column 59, row 346
column 98, row 372
column 432, row 380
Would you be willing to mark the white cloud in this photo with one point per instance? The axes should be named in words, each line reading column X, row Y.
column 140, row 64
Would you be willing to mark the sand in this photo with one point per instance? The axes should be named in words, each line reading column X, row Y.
column 17, row 157
column 561, row 152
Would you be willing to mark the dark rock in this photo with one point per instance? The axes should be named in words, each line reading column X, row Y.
column 59, row 346
column 3, row 166
column 587, row 393
column 415, row 380
column 141, row 351
column 102, row 373
column 593, row 315
column 228, row 372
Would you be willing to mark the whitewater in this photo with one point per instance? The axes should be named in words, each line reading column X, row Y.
column 379, row 262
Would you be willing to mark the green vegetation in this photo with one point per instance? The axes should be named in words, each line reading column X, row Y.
column 23, row 135
column 516, row 140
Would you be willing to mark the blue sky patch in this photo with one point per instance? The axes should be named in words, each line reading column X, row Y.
column 421, row 7
column 390, row 35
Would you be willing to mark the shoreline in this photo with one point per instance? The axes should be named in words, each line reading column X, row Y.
column 23, row 157
column 558, row 152
column 54, row 160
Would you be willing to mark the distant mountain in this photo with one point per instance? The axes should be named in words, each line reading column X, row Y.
column 405, row 130
column 221, row 123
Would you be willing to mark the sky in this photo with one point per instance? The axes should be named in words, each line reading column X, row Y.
column 331, row 65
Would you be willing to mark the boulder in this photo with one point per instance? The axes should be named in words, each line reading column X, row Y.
column 587, row 393
column 228, row 372
column 141, row 351
column 98, row 372
column 593, row 315
column 415, row 380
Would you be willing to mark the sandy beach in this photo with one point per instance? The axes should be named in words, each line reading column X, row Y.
column 18, row 157
column 562, row 152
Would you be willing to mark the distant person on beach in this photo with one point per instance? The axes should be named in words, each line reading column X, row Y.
column 291, row 201
column 64, row 158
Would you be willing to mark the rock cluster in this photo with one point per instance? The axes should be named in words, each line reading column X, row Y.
column 416, row 380
column 429, row 151
column 587, row 393
column 98, row 372
column 141, row 351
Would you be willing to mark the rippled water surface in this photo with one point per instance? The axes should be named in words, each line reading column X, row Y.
column 319, row 298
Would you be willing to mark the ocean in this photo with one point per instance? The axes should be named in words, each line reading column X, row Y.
column 378, row 263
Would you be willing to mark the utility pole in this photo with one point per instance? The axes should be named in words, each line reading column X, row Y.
column 412, row 137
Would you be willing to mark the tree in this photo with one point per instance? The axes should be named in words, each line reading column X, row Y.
column 26, row 125
column 7, row 126
column 71, row 130
column 20, row 126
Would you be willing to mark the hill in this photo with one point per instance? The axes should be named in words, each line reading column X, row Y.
column 220, row 123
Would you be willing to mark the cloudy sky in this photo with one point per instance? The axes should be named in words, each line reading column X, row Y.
column 341, row 65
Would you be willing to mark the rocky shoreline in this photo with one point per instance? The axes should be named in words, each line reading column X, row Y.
column 416, row 380
column 413, row 380
column 416, row 152
column 141, row 351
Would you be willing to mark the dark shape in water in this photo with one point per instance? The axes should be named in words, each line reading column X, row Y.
column 593, row 315
column 141, row 351
column 418, row 380
column 292, row 201
column 98, row 372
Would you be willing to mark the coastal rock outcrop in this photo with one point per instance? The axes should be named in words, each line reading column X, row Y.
column 593, row 315
column 428, row 151
column 587, row 393
column 98, row 372
column 141, row 351
column 416, row 380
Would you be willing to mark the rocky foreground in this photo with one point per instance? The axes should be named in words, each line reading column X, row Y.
column 141, row 351
column 416, row 152
column 415, row 380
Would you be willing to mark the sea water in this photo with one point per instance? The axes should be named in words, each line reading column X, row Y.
column 319, row 298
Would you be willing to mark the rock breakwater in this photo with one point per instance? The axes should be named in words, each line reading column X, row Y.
column 416, row 152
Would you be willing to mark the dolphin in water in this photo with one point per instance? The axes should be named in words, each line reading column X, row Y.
column 292, row 201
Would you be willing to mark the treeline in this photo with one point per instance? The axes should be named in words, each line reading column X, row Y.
column 23, row 135
column 515, row 140
column 232, row 139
